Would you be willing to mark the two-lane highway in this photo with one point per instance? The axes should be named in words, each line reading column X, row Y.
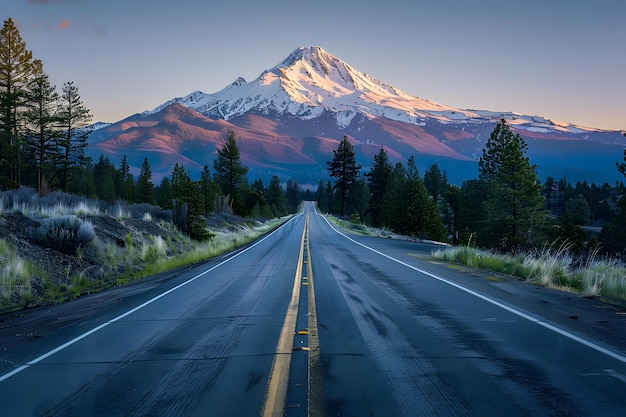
column 312, row 321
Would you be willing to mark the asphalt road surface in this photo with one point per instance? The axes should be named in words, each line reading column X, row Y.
column 311, row 320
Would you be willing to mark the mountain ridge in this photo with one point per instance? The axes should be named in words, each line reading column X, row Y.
column 294, row 112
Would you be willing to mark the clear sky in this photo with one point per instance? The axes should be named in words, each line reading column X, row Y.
column 563, row 59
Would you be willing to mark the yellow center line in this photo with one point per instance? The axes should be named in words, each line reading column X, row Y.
column 316, row 382
column 276, row 393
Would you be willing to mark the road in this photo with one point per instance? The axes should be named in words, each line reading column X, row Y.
column 311, row 320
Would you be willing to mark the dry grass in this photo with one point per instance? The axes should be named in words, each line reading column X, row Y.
column 551, row 268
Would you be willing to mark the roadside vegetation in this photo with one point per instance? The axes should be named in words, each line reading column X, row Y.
column 594, row 276
column 57, row 247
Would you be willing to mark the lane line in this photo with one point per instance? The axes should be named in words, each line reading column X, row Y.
column 129, row 312
column 518, row 313
column 316, row 400
column 276, row 393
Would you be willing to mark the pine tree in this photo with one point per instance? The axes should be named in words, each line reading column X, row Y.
column 292, row 196
column 208, row 190
column 421, row 218
column 105, row 186
column 377, row 181
column 74, row 120
column 16, row 72
column 275, row 197
column 330, row 198
column 393, row 206
column 436, row 182
column 163, row 194
column 344, row 168
column 320, row 197
column 128, row 183
column 229, row 171
column 513, row 205
column 42, row 129
column 144, row 189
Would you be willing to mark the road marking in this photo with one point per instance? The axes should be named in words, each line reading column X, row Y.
column 518, row 313
column 129, row 312
column 316, row 402
column 276, row 394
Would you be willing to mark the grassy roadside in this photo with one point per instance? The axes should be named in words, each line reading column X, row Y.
column 221, row 243
column 60, row 247
column 553, row 267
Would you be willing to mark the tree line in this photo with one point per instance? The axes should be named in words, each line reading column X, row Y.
column 43, row 132
column 193, row 200
column 43, row 136
column 506, row 208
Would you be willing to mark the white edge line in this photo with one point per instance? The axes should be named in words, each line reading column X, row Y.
column 519, row 313
column 139, row 307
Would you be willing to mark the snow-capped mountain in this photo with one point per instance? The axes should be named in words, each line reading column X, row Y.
column 290, row 119
column 310, row 82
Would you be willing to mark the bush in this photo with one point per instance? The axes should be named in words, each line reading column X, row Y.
column 64, row 233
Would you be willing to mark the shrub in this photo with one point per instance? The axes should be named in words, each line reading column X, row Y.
column 64, row 233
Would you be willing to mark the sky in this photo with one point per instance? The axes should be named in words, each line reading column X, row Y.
column 561, row 59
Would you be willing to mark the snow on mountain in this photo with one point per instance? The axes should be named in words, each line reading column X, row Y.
column 311, row 82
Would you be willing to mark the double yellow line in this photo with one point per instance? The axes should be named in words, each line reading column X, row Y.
column 276, row 394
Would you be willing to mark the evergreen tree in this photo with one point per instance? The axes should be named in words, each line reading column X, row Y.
column 394, row 203
column 144, row 189
column 42, row 128
column 83, row 180
column 16, row 71
column 470, row 216
column 330, row 198
column 613, row 234
column 357, row 202
column 128, row 183
column 514, row 205
column 344, row 168
column 451, row 212
column 275, row 197
column 105, row 172
column 163, row 194
column 74, row 120
column 208, row 191
column 377, row 181
column 292, row 196
column 320, row 197
column 421, row 216
column 436, row 182
column 230, row 172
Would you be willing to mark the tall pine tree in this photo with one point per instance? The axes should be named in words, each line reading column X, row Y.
column 513, row 205
column 377, row 181
column 42, row 131
column 16, row 71
column 344, row 168
column 144, row 189
column 74, row 119
column 230, row 172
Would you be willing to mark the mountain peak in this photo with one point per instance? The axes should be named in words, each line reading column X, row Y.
column 311, row 54
column 311, row 82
